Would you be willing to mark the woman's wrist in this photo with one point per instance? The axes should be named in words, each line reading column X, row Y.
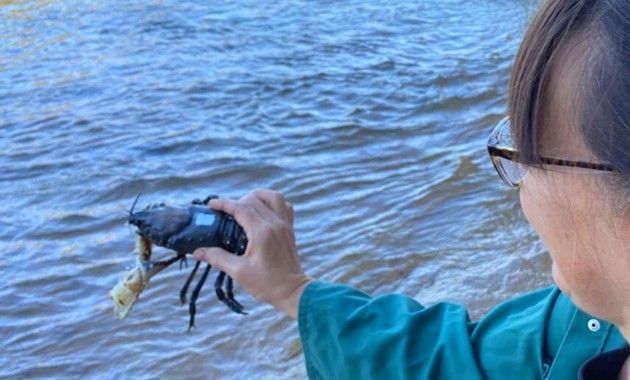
column 291, row 303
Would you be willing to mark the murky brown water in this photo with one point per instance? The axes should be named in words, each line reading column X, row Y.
column 371, row 118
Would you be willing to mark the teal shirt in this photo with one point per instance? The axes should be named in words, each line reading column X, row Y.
column 347, row 334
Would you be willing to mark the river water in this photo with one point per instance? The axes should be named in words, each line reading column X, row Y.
column 371, row 117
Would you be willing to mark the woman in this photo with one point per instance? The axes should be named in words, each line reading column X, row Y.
column 566, row 144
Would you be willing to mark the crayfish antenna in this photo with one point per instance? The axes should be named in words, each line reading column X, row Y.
column 133, row 206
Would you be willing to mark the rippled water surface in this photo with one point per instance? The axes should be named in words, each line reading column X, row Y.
column 371, row 117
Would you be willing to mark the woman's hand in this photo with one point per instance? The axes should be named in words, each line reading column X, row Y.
column 270, row 269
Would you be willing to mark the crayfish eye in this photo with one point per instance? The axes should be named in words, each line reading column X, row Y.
column 136, row 221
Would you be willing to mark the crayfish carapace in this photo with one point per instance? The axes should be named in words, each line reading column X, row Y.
column 181, row 229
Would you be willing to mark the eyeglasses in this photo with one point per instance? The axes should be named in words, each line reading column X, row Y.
column 505, row 157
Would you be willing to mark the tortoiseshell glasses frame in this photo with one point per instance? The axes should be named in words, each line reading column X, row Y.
column 505, row 157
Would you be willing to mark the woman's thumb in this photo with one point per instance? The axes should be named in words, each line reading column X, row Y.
column 218, row 258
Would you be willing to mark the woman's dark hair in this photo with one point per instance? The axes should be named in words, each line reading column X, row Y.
column 603, row 112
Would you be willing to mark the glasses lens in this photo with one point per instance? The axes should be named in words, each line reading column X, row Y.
column 512, row 173
column 501, row 146
column 502, row 135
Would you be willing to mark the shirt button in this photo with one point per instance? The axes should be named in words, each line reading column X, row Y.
column 593, row 325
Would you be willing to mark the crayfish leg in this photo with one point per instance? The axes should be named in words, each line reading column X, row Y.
column 210, row 197
column 182, row 293
column 206, row 200
column 231, row 303
column 192, row 307
column 158, row 266
column 183, row 262
column 230, row 294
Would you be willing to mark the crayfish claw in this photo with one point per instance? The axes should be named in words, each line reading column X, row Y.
column 127, row 291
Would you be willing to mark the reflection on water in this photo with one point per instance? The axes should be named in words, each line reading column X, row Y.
column 372, row 119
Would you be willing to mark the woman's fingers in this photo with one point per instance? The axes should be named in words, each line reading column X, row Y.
column 221, row 259
column 276, row 202
column 272, row 199
column 270, row 269
column 244, row 213
column 290, row 211
column 259, row 204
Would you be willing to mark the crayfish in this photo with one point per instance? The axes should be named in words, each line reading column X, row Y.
column 181, row 229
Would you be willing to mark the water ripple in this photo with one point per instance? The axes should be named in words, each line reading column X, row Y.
column 371, row 118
